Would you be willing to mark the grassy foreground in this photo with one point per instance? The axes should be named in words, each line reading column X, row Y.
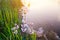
column 8, row 17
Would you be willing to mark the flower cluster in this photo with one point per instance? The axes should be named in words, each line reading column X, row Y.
column 14, row 29
column 25, row 28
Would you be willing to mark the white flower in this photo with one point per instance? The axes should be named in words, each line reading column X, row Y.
column 23, row 30
column 17, row 27
column 23, row 21
column 13, row 28
column 15, row 32
column 24, row 27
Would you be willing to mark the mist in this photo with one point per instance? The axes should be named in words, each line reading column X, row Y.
column 45, row 15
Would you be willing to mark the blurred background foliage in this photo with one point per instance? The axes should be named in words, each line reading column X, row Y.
column 8, row 17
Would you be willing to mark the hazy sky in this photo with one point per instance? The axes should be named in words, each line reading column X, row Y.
column 36, row 4
column 44, row 10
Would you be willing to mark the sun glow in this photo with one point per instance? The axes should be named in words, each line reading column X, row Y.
column 26, row 3
column 36, row 4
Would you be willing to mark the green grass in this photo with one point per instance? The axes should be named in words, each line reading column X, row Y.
column 8, row 17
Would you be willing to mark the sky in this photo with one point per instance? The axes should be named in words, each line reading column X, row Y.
column 43, row 10
column 36, row 4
